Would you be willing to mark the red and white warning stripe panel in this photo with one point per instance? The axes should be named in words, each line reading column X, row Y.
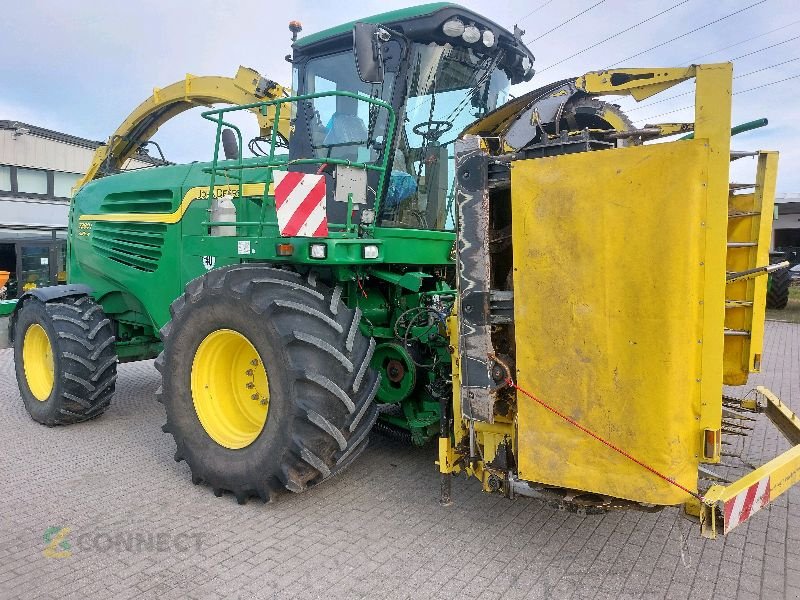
column 746, row 503
column 300, row 203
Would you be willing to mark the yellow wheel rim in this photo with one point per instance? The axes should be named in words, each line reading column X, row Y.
column 230, row 389
column 37, row 360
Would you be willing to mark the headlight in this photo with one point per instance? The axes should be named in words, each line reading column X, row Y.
column 453, row 28
column 488, row 38
column 370, row 251
column 367, row 216
column 318, row 251
column 471, row 34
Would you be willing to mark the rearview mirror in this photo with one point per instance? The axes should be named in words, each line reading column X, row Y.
column 367, row 51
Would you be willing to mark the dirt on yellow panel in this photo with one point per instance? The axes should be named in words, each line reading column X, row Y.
column 609, row 272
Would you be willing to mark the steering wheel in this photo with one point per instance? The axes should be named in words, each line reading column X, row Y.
column 432, row 130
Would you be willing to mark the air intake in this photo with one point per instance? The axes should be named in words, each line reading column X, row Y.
column 136, row 245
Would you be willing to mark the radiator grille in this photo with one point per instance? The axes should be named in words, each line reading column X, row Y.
column 136, row 245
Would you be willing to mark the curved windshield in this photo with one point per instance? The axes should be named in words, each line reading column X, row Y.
column 448, row 88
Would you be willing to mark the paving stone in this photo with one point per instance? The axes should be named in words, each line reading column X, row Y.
column 375, row 531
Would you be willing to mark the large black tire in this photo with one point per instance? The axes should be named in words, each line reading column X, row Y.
column 84, row 359
column 321, row 387
column 778, row 289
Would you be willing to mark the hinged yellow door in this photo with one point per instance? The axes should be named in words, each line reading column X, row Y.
column 616, row 254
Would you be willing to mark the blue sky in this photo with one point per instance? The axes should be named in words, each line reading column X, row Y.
column 80, row 67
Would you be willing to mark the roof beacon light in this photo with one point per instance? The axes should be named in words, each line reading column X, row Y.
column 453, row 28
column 471, row 34
column 488, row 38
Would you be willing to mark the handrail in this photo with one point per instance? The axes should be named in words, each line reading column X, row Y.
column 269, row 162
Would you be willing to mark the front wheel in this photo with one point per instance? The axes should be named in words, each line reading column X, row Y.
column 65, row 359
column 266, row 381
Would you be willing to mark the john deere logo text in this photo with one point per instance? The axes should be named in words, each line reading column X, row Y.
column 57, row 544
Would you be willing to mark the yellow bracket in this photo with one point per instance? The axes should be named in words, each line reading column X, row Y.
column 731, row 505
column 667, row 129
column 653, row 132
column 784, row 419
column 446, row 456
column 638, row 83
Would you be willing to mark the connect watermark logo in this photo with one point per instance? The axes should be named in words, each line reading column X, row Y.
column 118, row 541
column 57, row 544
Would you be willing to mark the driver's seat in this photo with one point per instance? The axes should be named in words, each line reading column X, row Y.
column 346, row 132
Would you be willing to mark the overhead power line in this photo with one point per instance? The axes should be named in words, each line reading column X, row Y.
column 758, row 87
column 560, row 25
column 763, row 85
column 537, row 9
column 611, row 37
column 683, row 35
column 744, row 41
column 767, row 68
column 765, row 48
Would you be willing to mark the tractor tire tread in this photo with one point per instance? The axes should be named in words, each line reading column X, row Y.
column 83, row 345
column 330, row 416
column 778, row 289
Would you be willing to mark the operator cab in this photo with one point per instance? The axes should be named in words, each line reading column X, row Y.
column 440, row 67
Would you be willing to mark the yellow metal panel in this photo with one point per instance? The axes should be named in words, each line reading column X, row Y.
column 712, row 124
column 610, row 256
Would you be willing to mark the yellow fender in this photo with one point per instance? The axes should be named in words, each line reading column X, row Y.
column 247, row 87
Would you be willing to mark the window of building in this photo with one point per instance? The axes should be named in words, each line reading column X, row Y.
column 62, row 184
column 31, row 181
column 5, row 179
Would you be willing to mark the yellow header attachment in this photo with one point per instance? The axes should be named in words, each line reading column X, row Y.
column 638, row 289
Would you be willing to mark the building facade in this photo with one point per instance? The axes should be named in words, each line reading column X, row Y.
column 38, row 168
column 786, row 226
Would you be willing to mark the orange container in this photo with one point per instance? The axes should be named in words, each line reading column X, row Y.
column 4, row 277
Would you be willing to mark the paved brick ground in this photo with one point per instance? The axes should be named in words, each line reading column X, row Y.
column 376, row 532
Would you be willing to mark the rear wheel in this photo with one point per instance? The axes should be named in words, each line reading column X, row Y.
column 66, row 362
column 778, row 289
column 266, row 381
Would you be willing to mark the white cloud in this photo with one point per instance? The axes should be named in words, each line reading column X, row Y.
column 88, row 64
column 12, row 111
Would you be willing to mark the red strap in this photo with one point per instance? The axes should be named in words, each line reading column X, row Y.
column 606, row 442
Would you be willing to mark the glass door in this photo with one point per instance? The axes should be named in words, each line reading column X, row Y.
column 34, row 267
column 58, row 264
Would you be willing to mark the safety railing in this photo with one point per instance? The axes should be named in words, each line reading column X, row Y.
column 271, row 162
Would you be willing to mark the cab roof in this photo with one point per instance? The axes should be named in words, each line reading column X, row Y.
column 424, row 23
column 392, row 16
